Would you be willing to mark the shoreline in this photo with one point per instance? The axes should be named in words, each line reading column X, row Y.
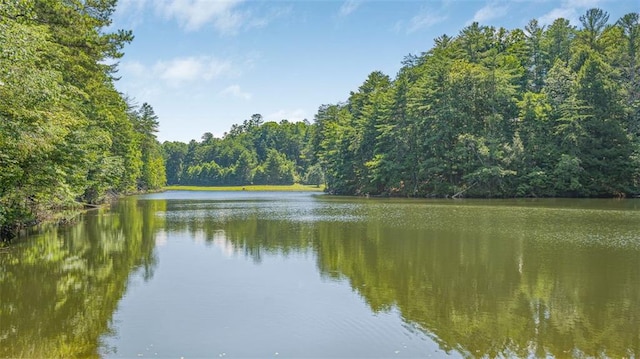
column 255, row 188
column 58, row 216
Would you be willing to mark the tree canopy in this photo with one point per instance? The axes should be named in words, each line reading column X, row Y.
column 536, row 112
column 541, row 111
column 67, row 137
column 254, row 152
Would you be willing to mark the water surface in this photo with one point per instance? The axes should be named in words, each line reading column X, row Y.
column 248, row 274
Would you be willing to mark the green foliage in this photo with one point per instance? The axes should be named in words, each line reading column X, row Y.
column 277, row 169
column 314, row 175
column 153, row 174
column 75, row 279
column 544, row 111
column 253, row 152
column 174, row 155
column 540, row 111
column 66, row 134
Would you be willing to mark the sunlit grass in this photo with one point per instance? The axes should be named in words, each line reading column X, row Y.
column 277, row 188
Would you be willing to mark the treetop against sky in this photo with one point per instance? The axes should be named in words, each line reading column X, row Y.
column 208, row 64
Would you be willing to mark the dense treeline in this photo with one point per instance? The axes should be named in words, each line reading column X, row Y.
column 251, row 153
column 539, row 111
column 67, row 137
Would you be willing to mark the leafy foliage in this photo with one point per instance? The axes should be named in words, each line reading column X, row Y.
column 67, row 137
column 544, row 111
column 540, row 111
column 254, row 152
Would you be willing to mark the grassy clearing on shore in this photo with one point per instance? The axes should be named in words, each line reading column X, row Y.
column 276, row 188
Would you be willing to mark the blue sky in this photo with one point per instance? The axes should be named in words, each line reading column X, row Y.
column 206, row 64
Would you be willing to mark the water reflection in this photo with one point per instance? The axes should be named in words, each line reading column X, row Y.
column 510, row 278
column 59, row 288
column 481, row 278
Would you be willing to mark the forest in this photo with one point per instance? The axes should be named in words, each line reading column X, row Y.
column 254, row 152
column 540, row 111
column 68, row 138
column 544, row 111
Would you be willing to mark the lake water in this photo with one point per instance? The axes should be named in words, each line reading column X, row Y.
column 251, row 274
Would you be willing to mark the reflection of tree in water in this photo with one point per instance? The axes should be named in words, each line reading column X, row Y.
column 60, row 288
column 481, row 293
column 495, row 297
column 244, row 229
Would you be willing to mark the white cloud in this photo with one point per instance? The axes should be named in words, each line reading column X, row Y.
column 149, row 80
column 568, row 9
column 134, row 68
column 423, row 21
column 129, row 13
column 193, row 14
column 581, row 3
column 425, row 18
column 226, row 16
column 187, row 69
column 257, row 21
column 236, row 91
column 489, row 12
column 126, row 6
column 290, row 115
column 556, row 13
column 349, row 7
column 136, row 78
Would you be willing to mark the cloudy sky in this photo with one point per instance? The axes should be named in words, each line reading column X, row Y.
column 206, row 64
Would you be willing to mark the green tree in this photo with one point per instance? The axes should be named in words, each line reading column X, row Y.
column 66, row 135
column 153, row 174
column 630, row 68
column 594, row 23
column 314, row 175
column 557, row 40
column 174, row 157
column 276, row 169
column 538, row 57
column 245, row 168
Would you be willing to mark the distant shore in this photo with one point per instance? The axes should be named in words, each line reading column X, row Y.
column 278, row 188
